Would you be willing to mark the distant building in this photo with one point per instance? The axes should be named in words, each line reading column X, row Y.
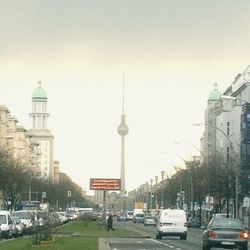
column 49, row 169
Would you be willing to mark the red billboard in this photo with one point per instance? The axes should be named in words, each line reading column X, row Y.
column 105, row 184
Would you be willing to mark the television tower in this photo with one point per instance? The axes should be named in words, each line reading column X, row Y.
column 122, row 131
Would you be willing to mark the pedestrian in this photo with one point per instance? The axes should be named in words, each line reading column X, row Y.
column 110, row 222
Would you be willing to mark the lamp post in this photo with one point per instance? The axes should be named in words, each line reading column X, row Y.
column 236, row 170
column 162, row 177
column 156, row 183
column 191, row 175
column 178, row 142
column 151, row 195
column 147, row 200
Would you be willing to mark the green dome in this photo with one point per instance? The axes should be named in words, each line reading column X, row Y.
column 39, row 92
column 215, row 94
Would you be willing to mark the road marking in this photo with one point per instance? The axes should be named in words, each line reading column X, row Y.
column 165, row 244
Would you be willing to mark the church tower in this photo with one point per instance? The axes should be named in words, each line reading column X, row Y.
column 41, row 134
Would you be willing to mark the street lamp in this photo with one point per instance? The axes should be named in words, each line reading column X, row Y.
column 147, row 196
column 202, row 154
column 162, row 177
column 156, row 183
column 151, row 195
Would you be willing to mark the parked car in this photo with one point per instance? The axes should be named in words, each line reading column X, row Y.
column 221, row 215
column 225, row 233
column 172, row 222
column 72, row 214
column 7, row 225
column 194, row 222
column 138, row 218
column 149, row 220
column 27, row 218
column 18, row 228
column 63, row 217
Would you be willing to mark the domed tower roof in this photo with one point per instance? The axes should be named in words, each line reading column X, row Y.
column 215, row 94
column 39, row 92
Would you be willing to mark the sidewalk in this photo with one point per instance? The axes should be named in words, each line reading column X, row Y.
column 103, row 244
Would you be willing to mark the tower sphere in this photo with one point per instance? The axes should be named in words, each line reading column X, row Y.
column 122, row 129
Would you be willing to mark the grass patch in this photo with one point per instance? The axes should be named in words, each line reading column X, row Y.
column 88, row 237
column 91, row 229
column 58, row 243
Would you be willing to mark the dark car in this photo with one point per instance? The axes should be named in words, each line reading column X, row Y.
column 122, row 218
column 194, row 222
column 138, row 218
column 225, row 233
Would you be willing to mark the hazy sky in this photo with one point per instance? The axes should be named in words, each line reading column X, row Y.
column 171, row 52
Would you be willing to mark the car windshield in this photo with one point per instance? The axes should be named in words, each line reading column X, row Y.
column 226, row 222
column 3, row 219
column 139, row 215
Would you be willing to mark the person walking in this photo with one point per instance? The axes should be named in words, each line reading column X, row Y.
column 110, row 222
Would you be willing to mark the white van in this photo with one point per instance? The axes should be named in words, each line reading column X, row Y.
column 172, row 222
column 6, row 224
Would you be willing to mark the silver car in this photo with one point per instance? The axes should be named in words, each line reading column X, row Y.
column 149, row 220
column 138, row 218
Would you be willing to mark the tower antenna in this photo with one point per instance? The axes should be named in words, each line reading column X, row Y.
column 123, row 76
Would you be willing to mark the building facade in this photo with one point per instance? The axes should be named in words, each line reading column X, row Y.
column 226, row 138
column 33, row 148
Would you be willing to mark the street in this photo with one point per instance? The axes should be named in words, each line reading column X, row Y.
column 148, row 240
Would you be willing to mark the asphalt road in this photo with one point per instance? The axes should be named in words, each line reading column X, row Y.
column 148, row 239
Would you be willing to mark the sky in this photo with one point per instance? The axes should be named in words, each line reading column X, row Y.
column 171, row 53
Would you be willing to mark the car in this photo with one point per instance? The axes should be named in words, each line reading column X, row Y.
column 73, row 215
column 63, row 217
column 194, row 222
column 122, row 218
column 226, row 233
column 149, row 220
column 19, row 227
column 221, row 215
column 171, row 222
column 6, row 224
column 138, row 218
column 130, row 215
column 27, row 217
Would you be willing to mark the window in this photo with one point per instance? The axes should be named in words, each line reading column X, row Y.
column 3, row 219
column 228, row 128
column 34, row 121
column 227, row 154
